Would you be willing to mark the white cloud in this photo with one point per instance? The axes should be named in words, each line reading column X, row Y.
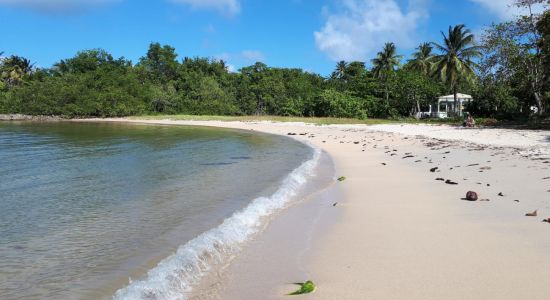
column 253, row 55
column 226, row 7
column 505, row 9
column 359, row 29
column 55, row 6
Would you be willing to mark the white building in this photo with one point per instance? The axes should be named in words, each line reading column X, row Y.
column 446, row 105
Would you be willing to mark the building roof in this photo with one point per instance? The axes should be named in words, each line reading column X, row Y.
column 459, row 96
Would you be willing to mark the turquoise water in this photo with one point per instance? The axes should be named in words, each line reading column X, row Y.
column 85, row 206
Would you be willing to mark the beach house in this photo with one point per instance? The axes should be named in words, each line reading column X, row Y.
column 446, row 105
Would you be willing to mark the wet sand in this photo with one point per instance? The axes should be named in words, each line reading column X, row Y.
column 397, row 232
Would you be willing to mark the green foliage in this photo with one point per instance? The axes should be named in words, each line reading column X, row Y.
column 305, row 288
column 14, row 70
column 413, row 92
column 101, row 93
column 160, row 64
column 341, row 178
column 493, row 99
column 512, row 75
column 422, row 61
column 342, row 105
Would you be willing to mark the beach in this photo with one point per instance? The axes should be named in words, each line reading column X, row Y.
column 392, row 231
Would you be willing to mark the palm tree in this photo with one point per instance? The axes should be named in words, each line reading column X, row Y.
column 385, row 63
column 14, row 68
column 422, row 59
column 341, row 70
column 455, row 63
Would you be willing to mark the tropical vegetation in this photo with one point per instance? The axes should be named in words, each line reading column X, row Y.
column 506, row 69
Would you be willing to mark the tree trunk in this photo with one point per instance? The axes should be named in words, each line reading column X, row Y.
column 387, row 96
column 540, row 106
column 536, row 62
column 455, row 93
column 259, row 107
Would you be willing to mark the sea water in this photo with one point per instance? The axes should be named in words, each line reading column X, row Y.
column 84, row 207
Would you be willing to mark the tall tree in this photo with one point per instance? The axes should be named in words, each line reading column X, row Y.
column 89, row 60
column 543, row 26
column 422, row 59
column 455, row 63
column 14, row 69
column 385, row 64
column 160, row 64
column 341, row 70
column 526, row 27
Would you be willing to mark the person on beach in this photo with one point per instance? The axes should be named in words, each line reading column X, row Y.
column 469, row 121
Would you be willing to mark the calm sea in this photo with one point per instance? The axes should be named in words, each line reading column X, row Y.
column 86, row 206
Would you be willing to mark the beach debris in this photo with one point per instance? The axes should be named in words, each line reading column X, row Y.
column 448, row 181
column 472, row 165
column 408, row 156
column 501, row 194
column 291, row 133
column 546, row 178
column 384, row 164
column 440, row 179
column 471, row 196
column 341, row 178
column 305, row 288
column 335, row 203
column 356, row 143
column 516, row 200
column 433, row 169
column 485, row 168
column 531, row 214
column 485, row 200
column 546, row 220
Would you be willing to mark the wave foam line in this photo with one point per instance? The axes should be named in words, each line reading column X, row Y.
column 174, row 277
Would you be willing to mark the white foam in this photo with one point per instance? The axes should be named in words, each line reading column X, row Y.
column 175, row 276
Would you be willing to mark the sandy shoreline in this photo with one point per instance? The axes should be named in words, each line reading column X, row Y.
column 404, row 235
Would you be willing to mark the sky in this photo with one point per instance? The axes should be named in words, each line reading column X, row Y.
column 308, row 34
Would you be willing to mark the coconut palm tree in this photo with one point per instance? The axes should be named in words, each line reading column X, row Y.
column 456, row 61
column 14, row 68
column 422, row 59
column 384, row 64
column 341, row 70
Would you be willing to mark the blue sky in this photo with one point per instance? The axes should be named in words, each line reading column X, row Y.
column 310, row 34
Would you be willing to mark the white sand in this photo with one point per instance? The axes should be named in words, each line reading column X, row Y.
column 537, row 140
column 404, row 235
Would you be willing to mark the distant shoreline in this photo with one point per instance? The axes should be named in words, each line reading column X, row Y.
column 20, row 117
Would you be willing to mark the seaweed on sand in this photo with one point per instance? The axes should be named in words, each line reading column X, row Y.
column 305, row 288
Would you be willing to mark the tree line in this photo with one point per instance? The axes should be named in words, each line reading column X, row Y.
column 507, row 71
